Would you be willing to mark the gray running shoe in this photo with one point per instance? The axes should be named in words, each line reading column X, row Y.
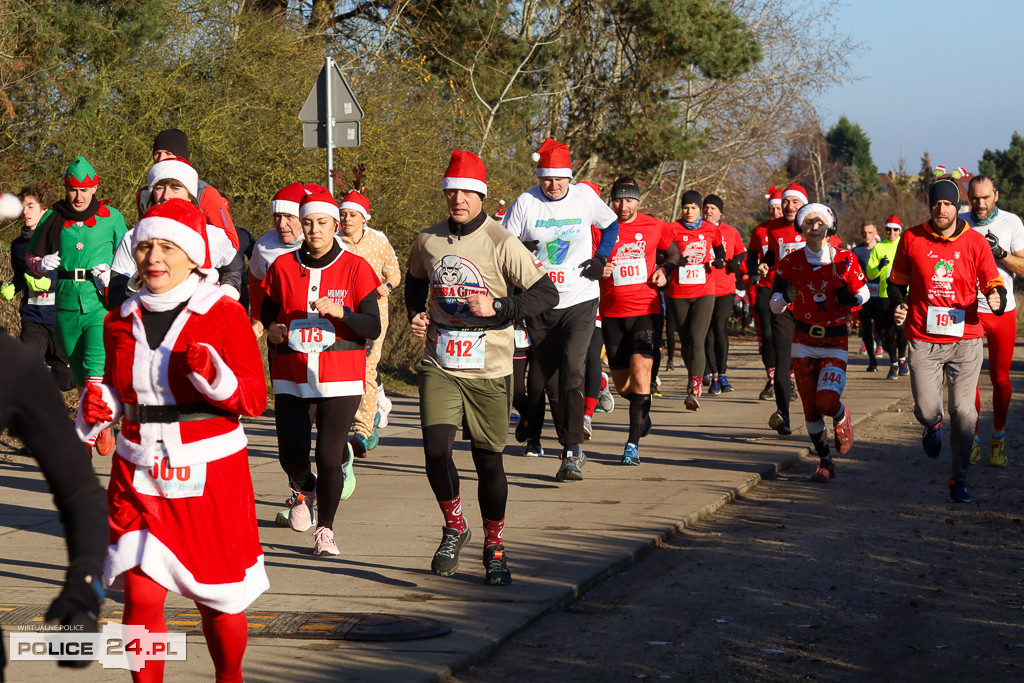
column 605, row 400
column 571, row 468
column 446, row 557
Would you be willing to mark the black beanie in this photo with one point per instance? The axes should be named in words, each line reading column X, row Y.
column 944, row 188
column 715, row 200
column 692, row 197
column 172, row 140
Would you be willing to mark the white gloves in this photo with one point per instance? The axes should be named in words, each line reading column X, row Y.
column 51, row 261
column 102, row 274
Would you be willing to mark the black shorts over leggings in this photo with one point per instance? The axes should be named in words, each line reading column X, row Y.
column 624, row 337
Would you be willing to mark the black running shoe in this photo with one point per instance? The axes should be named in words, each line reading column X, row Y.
column 768, row 393
column 496, row 566
column 446, row 557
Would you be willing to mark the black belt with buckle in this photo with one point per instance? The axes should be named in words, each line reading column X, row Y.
column 821, row 331
column 78, row 274
column 182, row 412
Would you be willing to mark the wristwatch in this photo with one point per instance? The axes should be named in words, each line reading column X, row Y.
column 391, row 287
column 499, row 305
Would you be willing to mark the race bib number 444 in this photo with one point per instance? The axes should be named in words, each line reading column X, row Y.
column 460, row 349
column 948, row 322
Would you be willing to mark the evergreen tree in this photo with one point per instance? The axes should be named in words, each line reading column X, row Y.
column 851, row 144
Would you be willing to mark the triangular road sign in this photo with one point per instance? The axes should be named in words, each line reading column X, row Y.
column 344, row 106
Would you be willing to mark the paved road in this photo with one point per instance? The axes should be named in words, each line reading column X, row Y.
column 561, row 538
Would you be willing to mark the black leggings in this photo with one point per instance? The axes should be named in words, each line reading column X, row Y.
column 762, row 295
column 294, row 438
column 671, row 330
column 592, row 379
column 492, row 487
column 716, row 348
column 783, row 326
column 892, row 336
column 693, row 317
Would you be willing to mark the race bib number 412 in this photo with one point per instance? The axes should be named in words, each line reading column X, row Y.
column 460, row 349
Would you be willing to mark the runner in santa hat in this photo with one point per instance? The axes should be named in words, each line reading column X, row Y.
column 757, row 247
column 320, row 310
column 554, row 219
column 372, row 245
column 783, row 238
column 459, row 298
column 182, row 512
column 824, row 284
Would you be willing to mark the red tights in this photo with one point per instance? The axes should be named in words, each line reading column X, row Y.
column 226, row 634
column 821, row 382
column 1001, row 334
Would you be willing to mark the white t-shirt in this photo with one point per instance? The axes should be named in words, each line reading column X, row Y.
column 562, row 229
column 1010, row 231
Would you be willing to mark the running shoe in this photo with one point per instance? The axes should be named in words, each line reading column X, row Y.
column 825, row 473
column 844, row 432
column 631, row 454
column 656, row 389
column 872, row 367
column 374, row 439
column 705, row 381
column 779, row 423
column 349, row 474
column 724, row 383
column 571, row 467
column 533, row 449
column 384, row 407
column 605, row 400
column 863, row 349
column 894, row 371
column 283, row 517
column 647, row 427
column 670, row 366
column 975, row 451
column 768, row 393
column 931, row 441
column 692, row 403
column 300, row 516
column 588, row 427
column 496, row 567
column 904, row 368
column 105, row 442
column 446, row 557
column 958, row 493
column 878, row 352
column 716, row 388
column 359, row 445
column 323, row 542
column 997, row 451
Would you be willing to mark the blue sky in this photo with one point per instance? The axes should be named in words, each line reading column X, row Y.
column 942, row 76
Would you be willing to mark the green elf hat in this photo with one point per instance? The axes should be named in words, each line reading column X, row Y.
column 80, row 173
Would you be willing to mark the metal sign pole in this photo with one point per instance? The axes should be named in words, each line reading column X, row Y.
column 330, row 126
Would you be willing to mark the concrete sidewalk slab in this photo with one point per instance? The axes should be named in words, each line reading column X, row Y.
column 561, row 538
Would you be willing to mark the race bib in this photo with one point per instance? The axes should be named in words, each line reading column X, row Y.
column 787, row 248
column 460, row 349
column 692, row 274
column 564, row 278
column 832, row 378
column 873, row 289
column 310, row 335
column 160, row 479
column 41, row 299
column 948, row 322
column 522, row 337
column 629, row 271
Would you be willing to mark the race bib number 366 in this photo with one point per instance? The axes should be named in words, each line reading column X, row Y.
column 160, row 479
column 460, row 349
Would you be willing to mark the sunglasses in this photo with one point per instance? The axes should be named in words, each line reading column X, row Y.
column 892, row 230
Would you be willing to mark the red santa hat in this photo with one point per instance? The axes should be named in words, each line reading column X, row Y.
column 179, row 221
column 288, row 197
column 592, row 186
column 553, row 160
column 774, row 196
column 500, row 213
column 795, row 190
column 466, row 171
column 894, row 221
column 356, row 201
column 174, row 168
column 319, row 202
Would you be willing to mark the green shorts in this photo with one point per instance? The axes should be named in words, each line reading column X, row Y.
column 480, row 406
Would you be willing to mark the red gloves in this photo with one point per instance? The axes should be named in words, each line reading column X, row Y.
column 94, row 409
column 200, row 361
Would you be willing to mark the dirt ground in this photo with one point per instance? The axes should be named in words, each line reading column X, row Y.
column 874, row 576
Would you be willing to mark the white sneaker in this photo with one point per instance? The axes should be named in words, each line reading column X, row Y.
column 300, row 516
column 384, row 407
column 588, row 427
column 323, row 542
column 605, row 400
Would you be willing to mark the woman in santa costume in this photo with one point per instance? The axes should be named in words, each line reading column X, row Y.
column 319, row 311
column 824, row 284
column 182, row 365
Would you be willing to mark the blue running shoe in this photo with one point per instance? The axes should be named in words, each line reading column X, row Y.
column 931, row 441
column 716, row 388
column 958, row 493
column 374, row 439
column 724, row 384
column 647, row 427
column 904, row 368
column 631, row 455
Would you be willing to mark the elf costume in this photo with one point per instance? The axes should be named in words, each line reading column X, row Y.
column 85, row 241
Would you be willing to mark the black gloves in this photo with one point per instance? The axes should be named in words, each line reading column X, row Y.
column 846, row 297
column 883, row 262
column 78, row 606
column 719, row 261
column 1002, row 299
column 997, row 249
column 532, row 245
column 593, row 268
column 683, row 260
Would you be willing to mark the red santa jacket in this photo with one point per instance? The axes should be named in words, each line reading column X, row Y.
column 135, row 374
